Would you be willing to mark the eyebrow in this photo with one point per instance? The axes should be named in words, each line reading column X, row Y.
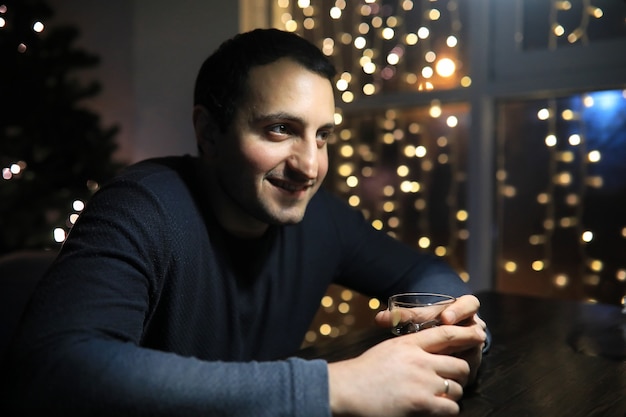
column 285, row 116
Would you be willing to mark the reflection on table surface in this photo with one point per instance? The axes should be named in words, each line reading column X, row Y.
column 548, row 358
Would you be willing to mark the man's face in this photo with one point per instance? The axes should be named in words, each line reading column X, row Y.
column 274, row 157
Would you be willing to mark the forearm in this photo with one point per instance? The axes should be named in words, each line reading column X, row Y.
column 107, row 377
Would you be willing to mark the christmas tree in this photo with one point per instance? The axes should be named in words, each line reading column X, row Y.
column 54, row 152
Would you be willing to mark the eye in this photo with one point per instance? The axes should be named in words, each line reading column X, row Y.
column 279, row 129
column 324, row 135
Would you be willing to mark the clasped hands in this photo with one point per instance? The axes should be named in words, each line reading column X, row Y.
column 422, row 373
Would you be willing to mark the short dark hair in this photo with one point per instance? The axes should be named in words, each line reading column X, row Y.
column 221, row 82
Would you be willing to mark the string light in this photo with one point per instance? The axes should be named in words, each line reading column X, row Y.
column 561, row 11
column 568, row 241
column 388, row 164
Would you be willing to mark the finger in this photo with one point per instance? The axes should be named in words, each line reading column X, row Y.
column 383, row 318
column 443, row 406
column 447, row 339
column 463, row 308
column 449, row 388
column 480, row 321
column 386, row 318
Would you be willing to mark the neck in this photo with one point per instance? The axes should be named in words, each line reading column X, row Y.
column 228, row 213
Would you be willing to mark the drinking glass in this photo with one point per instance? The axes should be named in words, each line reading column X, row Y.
column 412, row 312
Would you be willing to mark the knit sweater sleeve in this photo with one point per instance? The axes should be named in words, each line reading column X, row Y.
column 378, row 265
column 80, row 348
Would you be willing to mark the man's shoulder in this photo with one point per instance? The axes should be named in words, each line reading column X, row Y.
column 174, row 166
column 167, row 181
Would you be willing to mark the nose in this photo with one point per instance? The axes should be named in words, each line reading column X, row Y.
column 304, row 159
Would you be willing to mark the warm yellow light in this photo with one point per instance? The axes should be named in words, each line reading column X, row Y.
column 402, row 170
column 341, row 84
column 563, row 5
column 327, row 301
column 388, row 33
column 411, row 39
column 558, row 30
column 587, row 236
column 509, row 191
column 343, row 308
column 594, row 156
column 561, row 280
column 335, row 13
column 435, row 110
column 78, row 205
column 510, row 266
column 566, row 156
column 445, row 67
column 543, row 114
column 369, row 89
column 373, row 304
column 452, row 121
column 427, row 72
column 595, row 182
column 393, row 58
column 423, row 242
column 596, row 265
column 347, row 97
column 354, row 200
column 291, row 26
column 563, row 179
column 441, row 251
column 538, row 265
column 352, row 181
column 550, row 140
column 346, row 151
column 595, row 12
column 571, row 199
column 369, row 68
column 59, row 235
column 567, row 114
column 574, row 140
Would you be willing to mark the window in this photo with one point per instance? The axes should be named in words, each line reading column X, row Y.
column 488, row 132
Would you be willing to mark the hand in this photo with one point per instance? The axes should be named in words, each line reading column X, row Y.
column 405, row 375
column 463, row 312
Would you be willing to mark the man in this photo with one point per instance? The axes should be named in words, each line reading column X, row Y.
column 188, row 283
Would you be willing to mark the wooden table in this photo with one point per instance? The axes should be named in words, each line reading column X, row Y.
column 548, row 358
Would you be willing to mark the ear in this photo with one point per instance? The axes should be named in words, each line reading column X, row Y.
column 206, row 131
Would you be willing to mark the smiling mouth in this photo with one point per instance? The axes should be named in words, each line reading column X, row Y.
column 290, row 186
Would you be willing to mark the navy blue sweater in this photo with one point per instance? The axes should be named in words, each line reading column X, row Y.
column 152, row 309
